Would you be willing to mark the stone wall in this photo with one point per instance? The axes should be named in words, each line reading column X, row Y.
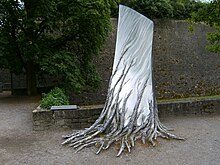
column 182, row 65
column 83, row 117
column 5, row 79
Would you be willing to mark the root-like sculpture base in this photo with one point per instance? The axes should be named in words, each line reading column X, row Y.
column 130, row 111
column 106, row 133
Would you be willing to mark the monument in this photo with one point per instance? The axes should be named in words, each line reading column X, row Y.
column 130, row 112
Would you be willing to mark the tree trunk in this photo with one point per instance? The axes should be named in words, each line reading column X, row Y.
column 130, row 112
column 31, row 79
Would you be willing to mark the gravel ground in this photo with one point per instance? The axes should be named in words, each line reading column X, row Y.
column 20, row 145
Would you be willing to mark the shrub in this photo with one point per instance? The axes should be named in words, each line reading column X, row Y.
column 55, row 97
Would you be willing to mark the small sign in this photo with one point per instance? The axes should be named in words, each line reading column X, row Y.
column 64, row 107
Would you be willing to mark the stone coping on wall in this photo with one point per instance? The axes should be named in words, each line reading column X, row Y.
column 81, row 117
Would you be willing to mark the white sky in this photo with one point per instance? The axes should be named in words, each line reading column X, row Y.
column 205, row 0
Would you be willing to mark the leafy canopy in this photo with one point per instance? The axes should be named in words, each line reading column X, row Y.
column 60, row 37
column 177, row 9
column 210, row 15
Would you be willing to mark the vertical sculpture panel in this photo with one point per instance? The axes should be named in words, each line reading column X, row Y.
column 130, row 112
column 132, row 67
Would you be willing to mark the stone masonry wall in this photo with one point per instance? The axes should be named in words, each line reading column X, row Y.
column 182, row 65
column 5, row 79
column 76, row 119
column 83, row 117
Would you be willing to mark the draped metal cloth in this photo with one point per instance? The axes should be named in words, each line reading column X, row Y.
column 130, row 112
column 132, row 67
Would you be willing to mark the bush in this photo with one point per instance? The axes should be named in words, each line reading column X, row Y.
column 55, row 97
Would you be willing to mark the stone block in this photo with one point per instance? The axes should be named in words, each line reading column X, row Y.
column 75, row 126
column 84, row 125
column 59, row 122
column 43, row 114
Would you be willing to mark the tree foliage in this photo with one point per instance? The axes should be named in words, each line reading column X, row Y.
column 176, row 9
column 210, row 15
column 152, row 8
column 183, row 9
column 55, row 97
column 57, row 37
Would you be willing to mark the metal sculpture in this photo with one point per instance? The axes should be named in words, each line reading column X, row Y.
column 130, row 111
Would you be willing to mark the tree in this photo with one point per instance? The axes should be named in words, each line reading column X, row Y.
column 210, row 15
column 53, row 37
column 130, row 112
column 183, row 9
column 174, row 9
column 151, row 8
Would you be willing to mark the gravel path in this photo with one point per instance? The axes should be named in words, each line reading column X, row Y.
column 20, row 145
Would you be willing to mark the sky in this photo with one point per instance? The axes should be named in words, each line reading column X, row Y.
column 205, row 0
